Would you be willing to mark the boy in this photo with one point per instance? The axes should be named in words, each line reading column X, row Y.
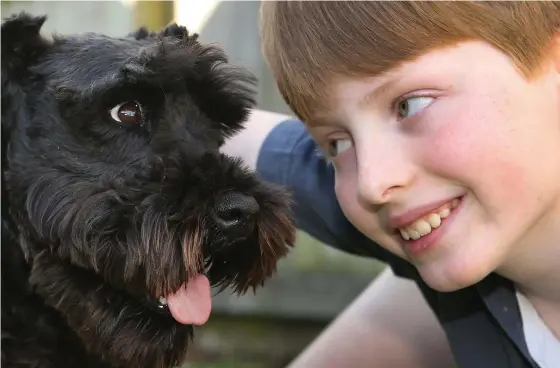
column 439, row 127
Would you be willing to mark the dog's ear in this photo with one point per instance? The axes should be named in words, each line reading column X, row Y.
column 22, row 45
column 180, row 32
column 140, row 34
column 172, row 30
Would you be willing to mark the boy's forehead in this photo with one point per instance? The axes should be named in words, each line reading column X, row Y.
column 346, row 93
column 343, row 91
column 434, row 67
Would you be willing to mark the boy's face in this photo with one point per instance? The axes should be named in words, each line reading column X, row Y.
column 459, row 139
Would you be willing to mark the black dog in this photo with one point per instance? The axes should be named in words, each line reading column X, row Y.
column 118, row 210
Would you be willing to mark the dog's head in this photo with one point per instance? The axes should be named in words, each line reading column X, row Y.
column 125, row 209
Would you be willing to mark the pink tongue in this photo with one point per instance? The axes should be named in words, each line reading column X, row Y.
column 192, row 303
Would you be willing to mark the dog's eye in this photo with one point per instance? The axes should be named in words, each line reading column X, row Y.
column 127, row 112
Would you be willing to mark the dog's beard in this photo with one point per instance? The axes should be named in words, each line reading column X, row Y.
column 109, row 300
column 105, row 275
column 111, row 325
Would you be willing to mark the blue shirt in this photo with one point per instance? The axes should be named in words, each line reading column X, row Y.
column 482, row 322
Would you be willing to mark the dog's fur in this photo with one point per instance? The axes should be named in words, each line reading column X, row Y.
column 100, row 217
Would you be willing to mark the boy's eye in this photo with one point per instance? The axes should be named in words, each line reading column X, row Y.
column 412, row 105
column 338, row 146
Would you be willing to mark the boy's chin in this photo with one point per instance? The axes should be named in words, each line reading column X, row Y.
column 448, row 278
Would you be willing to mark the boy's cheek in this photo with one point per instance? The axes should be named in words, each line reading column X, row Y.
column 345, row 189
column 365, row 221
column 478, row 154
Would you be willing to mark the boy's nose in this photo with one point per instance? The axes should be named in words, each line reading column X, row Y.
column 382, row 175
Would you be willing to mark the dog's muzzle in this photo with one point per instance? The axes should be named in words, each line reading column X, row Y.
column 236, row 216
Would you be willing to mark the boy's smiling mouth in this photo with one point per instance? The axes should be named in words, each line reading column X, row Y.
column 425, row 224
column 421, row 221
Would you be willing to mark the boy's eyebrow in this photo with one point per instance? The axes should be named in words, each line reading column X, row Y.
column 321, row 119
column 327, row 118
column 380, row 90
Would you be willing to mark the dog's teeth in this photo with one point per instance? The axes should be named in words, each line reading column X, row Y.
column 162, row 301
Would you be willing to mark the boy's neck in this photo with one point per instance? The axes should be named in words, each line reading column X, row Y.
column 534, row 267
column 548, row 310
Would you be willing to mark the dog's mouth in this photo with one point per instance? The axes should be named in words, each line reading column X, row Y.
column 191, row 304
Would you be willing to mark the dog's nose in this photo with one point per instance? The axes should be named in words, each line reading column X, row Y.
column 236, row 211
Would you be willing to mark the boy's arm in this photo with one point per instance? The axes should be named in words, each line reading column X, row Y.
column 388, row 325
column 247, row 143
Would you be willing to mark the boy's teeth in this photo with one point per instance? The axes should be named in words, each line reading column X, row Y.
column 434, row 220
column 404, row 234
column 414, row 235
column 425, row 226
